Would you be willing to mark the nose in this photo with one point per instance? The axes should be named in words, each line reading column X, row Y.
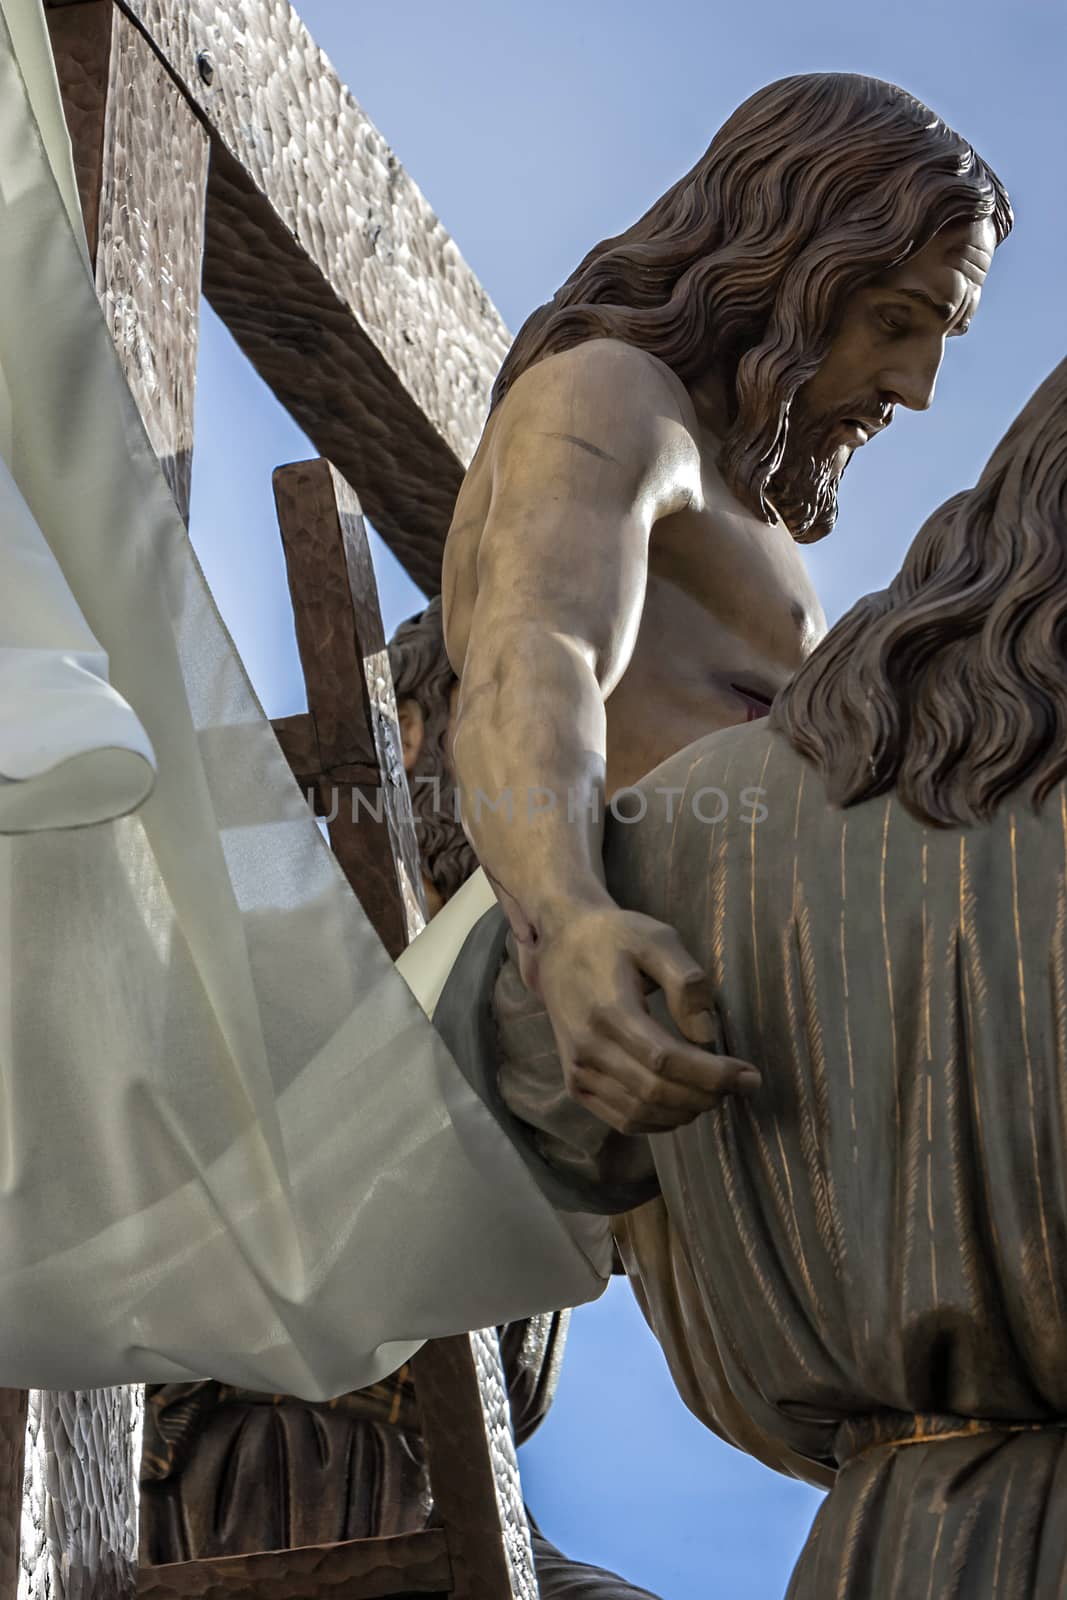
column 911, row 381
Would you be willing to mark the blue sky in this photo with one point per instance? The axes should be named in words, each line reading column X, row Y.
column 534, row 130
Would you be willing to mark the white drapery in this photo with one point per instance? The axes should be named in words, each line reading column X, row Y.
column 231, row 1145
column 71, row 750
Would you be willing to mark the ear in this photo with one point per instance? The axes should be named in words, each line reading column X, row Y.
column 412, row 730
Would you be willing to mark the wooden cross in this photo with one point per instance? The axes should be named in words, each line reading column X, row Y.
column 183, row 184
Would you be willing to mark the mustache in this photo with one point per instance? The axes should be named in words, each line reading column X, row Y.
column 804, row 489
column 874, row 414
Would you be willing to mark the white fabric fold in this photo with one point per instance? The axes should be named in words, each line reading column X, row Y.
column 72, row 751
column 231, row 1145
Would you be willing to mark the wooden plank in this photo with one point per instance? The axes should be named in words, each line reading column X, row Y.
column 150, row 246
column 89, row 1437
column 474, row 1475
column 363, row 791
column 13, row 1407
column 299, row 740
column 401, row 1568
column 141, row 158
column 81, row 43
column 335, row 605
column 331, row 270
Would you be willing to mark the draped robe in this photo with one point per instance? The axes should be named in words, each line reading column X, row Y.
column 860, row 1274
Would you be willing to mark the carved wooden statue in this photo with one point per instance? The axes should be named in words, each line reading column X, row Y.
column 855, row 1266
column 693, row 394
column 621, row 575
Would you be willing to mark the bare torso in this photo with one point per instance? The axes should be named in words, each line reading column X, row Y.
column 729, row 615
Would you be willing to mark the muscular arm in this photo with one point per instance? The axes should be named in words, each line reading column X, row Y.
column 590, row 450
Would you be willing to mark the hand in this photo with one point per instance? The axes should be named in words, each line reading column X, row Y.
column 593, row 975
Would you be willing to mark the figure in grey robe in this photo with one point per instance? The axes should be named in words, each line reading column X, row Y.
column 858, row 1273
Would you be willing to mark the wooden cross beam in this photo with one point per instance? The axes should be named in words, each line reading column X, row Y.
column 330, row 269
column 348, row 745
column 141, row 159
column 405, row 1567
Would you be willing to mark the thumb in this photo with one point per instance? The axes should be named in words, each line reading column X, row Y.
column 684, row 984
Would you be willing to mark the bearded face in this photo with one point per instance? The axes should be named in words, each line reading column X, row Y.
column 886, row 351
column 804, row 489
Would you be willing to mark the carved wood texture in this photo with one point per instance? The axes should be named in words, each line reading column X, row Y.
column 400, row 1568
column 81, row 44
column 331, row 270
column 91, row 1443
column 151, row 245
column 474, row 1472
column 141, row 159
column 13, row 1407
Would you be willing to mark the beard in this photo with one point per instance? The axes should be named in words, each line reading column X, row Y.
column 804, row 489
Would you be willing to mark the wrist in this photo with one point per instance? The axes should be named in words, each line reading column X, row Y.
column 554, row 914
column 537, row 917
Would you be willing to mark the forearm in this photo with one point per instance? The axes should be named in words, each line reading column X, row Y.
column 529, row 752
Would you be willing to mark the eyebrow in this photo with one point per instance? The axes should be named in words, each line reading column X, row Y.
column 941, row 308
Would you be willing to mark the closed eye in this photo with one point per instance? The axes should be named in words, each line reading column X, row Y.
column 894, row 325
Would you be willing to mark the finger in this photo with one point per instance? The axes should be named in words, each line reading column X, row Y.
column 602, row 1098
column 625, row 1120
column 684, row 983
column 615, row 1106
column 633, row 1094
column 651, row 1047
column 639, row 1087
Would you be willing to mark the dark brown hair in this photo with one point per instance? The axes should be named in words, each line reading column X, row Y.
column 422, row 672
column 950, row 686
column 814, row 186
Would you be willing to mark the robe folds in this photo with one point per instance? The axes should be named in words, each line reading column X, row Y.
column 233, row 1147
column 859, row 1275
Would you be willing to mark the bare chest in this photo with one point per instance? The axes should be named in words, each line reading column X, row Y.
column 730, row 613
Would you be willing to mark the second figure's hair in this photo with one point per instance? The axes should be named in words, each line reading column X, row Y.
column 950, row 686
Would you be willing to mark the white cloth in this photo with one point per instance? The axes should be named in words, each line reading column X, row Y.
column 71, row 750
column 232, row 1146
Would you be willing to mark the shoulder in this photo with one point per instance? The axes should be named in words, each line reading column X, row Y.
column 601, row 391
column 587, row 369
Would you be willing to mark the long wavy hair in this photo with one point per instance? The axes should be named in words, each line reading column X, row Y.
column 814, row 186
column 422, row 672
column 950, row 686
